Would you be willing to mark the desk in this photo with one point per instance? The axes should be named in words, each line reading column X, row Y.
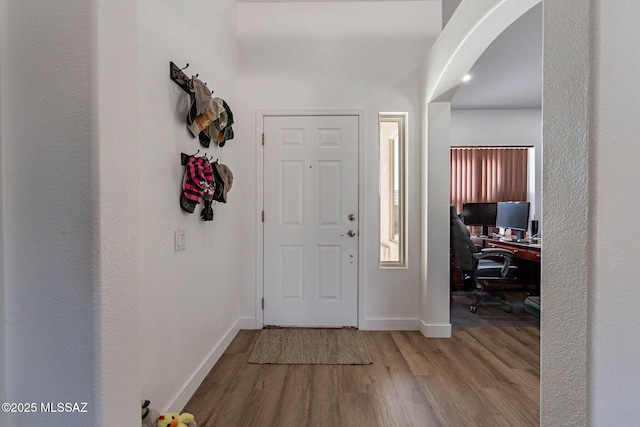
column 529, row 252
column 526, row 257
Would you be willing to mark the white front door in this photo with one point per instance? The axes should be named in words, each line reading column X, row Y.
column 311, row 220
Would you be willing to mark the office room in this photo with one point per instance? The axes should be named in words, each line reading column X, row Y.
column 99, row 307
column 496, row 156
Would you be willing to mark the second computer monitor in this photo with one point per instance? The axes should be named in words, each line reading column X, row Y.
column 513, row 215
column 480, row 214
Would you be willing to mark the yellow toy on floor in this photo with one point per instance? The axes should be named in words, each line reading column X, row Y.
column 173, row 419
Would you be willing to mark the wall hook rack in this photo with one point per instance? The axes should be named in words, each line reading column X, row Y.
column 179, row 77
column 184, row 157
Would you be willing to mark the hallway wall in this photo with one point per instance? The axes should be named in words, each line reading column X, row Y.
column 48, row 200
column 98, row 307
column 190, row 300
column 3, row 354
column 614, row 358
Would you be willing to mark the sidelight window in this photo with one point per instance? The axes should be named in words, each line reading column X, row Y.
column 393, row 183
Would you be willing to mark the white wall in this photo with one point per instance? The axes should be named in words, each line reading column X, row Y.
column 190, row 300
column 48, row 201
column 69, row 276
column 435, row 316
column 503, row 128
column 614, row 356
column 345, row 55
column 448, row 8
column 97, row 306
column 114, row 168
column 3, row 353
column 566, row 278
column 590, row 357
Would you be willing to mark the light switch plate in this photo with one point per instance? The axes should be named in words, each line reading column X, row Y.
column 179, row 240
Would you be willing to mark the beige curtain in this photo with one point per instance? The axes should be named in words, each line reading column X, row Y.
column 488, row 174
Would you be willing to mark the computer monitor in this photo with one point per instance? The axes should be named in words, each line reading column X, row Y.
column 480, row 214
column 513, row 215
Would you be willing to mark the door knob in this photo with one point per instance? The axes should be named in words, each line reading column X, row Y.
column 351, row 217
column 349, row 233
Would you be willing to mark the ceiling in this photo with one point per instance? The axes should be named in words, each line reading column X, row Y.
column 509, row 73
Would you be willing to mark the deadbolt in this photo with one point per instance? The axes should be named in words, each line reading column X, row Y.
column 351, row 217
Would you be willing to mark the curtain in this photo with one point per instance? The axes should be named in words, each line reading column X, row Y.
column 488, row 174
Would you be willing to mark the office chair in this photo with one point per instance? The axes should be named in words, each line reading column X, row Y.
column 479, row 266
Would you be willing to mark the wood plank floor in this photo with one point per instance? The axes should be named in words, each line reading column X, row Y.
column 479, row 377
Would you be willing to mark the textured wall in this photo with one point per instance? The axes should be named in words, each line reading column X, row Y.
column 614, row 357
column 70, row 271
column 49, row 198
column 114, row 175
column 92, row 226
column 565, row 258
column 3, row 354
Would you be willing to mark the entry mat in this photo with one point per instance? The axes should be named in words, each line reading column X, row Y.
column 307, row 346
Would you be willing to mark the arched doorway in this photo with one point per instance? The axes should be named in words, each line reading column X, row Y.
column 563, row 363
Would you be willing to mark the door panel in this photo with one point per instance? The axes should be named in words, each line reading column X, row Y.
column 292, row 193
column 291, row 272
column 310, row 189
column 329, row 272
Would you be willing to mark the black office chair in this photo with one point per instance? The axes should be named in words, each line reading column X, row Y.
column 479, row 266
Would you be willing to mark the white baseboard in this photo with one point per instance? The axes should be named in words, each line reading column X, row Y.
column 435, row 330
column 247, row 323
column 390, row 324
column 192, row 384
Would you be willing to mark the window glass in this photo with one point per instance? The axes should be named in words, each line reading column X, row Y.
column 392, row 141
